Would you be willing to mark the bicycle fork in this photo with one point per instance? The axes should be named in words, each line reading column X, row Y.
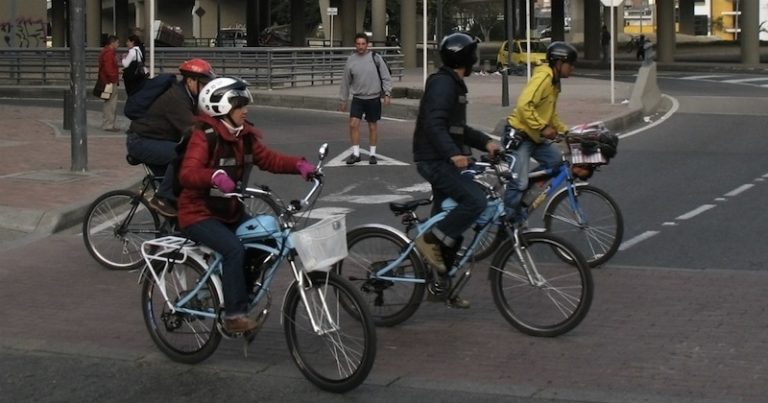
column 319, row 316
column 526, row 261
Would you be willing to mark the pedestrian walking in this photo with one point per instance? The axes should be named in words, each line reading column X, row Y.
column 367, row 77
column 605, row 42
column 109, row 76
column 134, row 69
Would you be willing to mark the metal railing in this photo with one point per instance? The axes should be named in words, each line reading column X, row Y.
column 264, row 68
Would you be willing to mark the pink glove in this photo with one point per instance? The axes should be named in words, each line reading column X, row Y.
column 220, row 180
column 305, row 168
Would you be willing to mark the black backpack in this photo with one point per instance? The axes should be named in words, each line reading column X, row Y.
column 138, row 104
column 213, row 141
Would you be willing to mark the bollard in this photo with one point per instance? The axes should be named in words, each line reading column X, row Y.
column 68, row 110
column 504, row 87
column 486, row 66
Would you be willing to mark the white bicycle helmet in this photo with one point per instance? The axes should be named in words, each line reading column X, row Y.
column 219, row 96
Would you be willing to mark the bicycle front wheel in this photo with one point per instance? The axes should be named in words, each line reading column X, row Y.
column 330, row 335
column 184, row 337
column 115, row 226
column 393, row 300
column 538, row 292
column 261, row 204
column 593, row 225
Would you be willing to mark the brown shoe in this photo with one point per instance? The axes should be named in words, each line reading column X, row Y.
column 163, row 207
column 239, row 324
column 429, row 248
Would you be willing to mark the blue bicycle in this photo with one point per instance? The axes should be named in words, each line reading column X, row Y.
column 327, row 325
column 582, row 214
column 539, row 282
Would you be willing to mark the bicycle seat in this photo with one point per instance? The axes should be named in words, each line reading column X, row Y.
column 401, row 208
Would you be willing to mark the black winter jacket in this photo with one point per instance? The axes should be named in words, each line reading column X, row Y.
column 441, row 127
column 169, row 116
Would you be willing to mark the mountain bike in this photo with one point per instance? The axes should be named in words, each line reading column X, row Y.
column 328, row 328
column 119, row 221
column 539, row 282
column 582, row 214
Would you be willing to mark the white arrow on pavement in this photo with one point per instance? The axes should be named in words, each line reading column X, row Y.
column 338, row 161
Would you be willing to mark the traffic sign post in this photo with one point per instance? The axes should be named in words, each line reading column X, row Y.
column 612, row 4
column 332, row 11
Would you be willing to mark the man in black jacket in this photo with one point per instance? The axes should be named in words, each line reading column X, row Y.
column 442, row 145
column 152, row 138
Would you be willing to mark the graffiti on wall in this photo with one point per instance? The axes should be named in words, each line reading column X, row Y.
column 23, row 32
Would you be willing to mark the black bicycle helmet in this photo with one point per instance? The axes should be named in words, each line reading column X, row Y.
column 561, row 51
column 459, row 50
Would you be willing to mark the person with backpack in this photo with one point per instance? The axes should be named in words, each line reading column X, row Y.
column 208, row 170
column 134, row 70
column 152, row 138
column 367, row 77
column 442, row 148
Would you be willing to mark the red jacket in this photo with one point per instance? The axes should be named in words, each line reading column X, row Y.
column 108, row 69
column 195, row 204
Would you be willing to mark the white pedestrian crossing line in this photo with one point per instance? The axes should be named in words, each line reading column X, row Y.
column 745, row 80
column 340, row 160
column 705, row 77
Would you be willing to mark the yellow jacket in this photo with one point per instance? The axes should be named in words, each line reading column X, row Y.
column 536, row 106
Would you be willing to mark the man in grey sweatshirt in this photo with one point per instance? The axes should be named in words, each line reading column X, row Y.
column 367, row 77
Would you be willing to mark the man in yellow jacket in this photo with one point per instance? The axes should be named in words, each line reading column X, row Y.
column 534, row 121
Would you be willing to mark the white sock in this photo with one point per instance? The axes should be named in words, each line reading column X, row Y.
column 373, row 150
column 356, row 149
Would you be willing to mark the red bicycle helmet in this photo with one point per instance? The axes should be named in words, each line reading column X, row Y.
column 196, row 68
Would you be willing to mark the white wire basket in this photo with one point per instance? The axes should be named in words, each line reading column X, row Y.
column 322, row 244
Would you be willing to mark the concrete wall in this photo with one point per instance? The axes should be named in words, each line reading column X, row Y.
column 23, row 23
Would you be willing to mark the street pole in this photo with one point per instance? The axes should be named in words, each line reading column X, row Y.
column 78, row 134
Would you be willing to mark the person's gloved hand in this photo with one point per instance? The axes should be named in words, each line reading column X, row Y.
column 220, row 180
column 305, row 168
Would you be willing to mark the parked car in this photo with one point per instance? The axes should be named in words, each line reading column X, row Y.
column 520, row 54
column 232, row 38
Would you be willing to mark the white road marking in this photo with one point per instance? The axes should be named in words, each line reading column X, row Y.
column 669, row 224
column 670, row 112
column 695, row 212
column 366, row 199
column 636, row 240
column 338, row 161
column 423, row 187
column 739, row 190
column 745, row 80
column 704, row 77
column 323, row 212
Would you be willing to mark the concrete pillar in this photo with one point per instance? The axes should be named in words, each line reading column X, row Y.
column 749, row 36
column 687, row 20
column 558, row 20
column 122, row 29
column 592, row 27
column 348, row 18
column 379, row 17
column 360, row 9
column 665, row 31
column 59, row 24
column 577, row 12
column 408, row 32
column 298, row 31
column 93, row 23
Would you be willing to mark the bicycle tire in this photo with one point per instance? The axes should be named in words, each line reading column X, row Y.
column 340, row 354
column 183, row 337
column 389, row 302
column 599, row 238
column 560, row 300
column 111, row 241
column 261, row 204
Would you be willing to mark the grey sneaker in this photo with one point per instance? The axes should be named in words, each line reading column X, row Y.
column 163, row 207
column 352, row 159
column 372, row 160
column 431, row 252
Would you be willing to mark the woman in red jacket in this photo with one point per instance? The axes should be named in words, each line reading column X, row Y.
column 109, row 74
column 212, row 220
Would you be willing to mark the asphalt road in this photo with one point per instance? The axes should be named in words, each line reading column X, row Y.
column 678, row 313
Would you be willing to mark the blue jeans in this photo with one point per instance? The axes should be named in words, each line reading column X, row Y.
column 158, row 154
column 221, row 238
column 447, row 181
column 546, row 154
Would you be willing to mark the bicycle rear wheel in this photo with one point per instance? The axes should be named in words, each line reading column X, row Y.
column 337, row 351
column 183, row 337
column 550, row 298
column 115, row 226
column 595, row 226
column 390, row 301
